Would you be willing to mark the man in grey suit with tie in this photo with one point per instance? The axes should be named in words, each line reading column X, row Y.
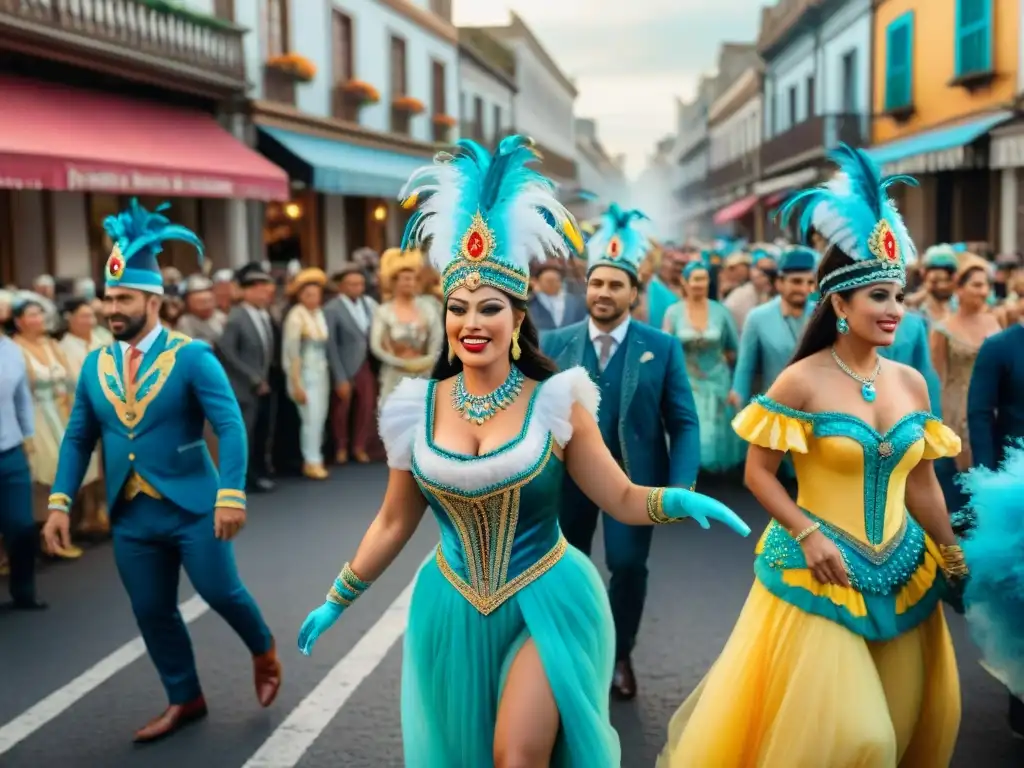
column 246, row 349
column 349, row 318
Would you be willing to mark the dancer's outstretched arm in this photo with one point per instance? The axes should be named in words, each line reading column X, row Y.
column 592, row 468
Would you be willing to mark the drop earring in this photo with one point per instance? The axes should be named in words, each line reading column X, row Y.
column 451, row 354
column 516, row 351
column 842, row 326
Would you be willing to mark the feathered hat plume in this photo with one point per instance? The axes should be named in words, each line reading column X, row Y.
column 617, row 241
column 853, row 212
column 486, row 217
column 138, row 236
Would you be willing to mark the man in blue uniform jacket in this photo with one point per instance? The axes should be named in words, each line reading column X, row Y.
column 645, row 395
column 910, row 347
column 147, row 396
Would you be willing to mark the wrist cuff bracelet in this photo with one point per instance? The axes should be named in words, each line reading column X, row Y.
column 656, row 507
column 347, row 587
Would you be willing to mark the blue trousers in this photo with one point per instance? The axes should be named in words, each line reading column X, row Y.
column 626, row 548
column 16, row 523
column 153, row 540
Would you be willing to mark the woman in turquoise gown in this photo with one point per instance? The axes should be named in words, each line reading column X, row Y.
column 509, row 648
column 710, row 340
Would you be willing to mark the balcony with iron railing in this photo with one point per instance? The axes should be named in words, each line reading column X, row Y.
column 153, row 33
column 810, row 140
column 742, row 170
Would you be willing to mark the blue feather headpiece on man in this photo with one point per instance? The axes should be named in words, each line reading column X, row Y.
column 485, row 218
column 138, row 236
column 618, row 242
column 853, row 212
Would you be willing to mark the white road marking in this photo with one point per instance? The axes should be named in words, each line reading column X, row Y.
column 292, row 738
column 38, row 715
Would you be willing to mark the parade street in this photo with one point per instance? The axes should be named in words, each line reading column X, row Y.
column 76, row 681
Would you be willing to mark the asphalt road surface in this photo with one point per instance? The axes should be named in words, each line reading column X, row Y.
column 76, row 683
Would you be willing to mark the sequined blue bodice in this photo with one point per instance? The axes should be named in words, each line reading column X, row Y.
column 497, row 512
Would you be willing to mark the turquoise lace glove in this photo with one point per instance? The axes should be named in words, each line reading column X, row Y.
column 671, row 505
column 345, row 590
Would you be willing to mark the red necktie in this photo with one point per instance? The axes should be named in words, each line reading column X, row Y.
column 134, row 361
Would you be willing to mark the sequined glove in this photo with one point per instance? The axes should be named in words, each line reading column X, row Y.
column 345, row 590
column 671, row 505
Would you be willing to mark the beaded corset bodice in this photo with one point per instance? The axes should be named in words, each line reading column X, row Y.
column 497, row 512
column 852, row 480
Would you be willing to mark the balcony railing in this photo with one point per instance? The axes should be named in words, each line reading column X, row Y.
column 470, row 129
column 810, row 139
column 401, row 122
column 344, row 106
column 137, row 29
column 740, row 171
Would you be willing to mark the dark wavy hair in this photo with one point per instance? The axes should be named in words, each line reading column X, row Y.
column 532, row 362
column 820, row 332
column 17, row 310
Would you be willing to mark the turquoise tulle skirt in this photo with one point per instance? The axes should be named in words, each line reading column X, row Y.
column 994, row 548
column 455, row 661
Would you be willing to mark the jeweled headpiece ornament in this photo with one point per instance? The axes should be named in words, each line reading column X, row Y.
column 138, row 236
column 484, row 218
column 617, row 241
column 853, row 212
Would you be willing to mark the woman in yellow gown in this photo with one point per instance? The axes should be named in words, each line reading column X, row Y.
column 841, row 657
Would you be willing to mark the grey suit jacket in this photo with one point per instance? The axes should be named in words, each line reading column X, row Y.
column 349, row 345
column 243, row 353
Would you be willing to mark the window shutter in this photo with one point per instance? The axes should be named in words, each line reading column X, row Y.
column 973, row 36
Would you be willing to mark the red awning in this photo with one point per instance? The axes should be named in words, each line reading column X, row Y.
column 66, row 139
column 736, row 210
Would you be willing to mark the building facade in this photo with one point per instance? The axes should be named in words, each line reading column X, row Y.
column 817, row 56
column 349, row 96
column 487, row 88
column 1006, row 154
column 78, row 136
column 602, row 178
column 652, row 192
column 543, row 103
column 734, row 141
column 692, row 158
column 945, row 75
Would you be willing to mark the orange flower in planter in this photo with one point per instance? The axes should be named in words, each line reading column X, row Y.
column 299, row 67
column 409, row 104
column 361, row 91
column 444, row 120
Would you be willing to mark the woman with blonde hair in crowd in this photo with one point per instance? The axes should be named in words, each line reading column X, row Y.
column 407, row 333
column 304, row 360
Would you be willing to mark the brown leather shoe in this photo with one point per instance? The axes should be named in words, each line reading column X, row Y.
column 267, row 673
column 623, row 681
column 174, row 718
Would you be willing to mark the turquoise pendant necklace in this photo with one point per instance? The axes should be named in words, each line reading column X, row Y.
column 480, row 408
column 867, row 383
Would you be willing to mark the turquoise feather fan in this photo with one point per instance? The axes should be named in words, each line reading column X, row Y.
column 136, row 231
column 478, row 213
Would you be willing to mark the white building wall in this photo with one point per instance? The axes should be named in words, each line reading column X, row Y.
column 475, row 81
column 735, row 136
column 373, row 24
column 848, row 31
column 790, row 69
column 543, row 107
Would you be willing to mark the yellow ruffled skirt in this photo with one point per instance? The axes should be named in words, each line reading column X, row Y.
column 795, row 690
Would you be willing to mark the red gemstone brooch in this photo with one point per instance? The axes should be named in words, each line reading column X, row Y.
column 115, row 264
column 882, row 243
column 478, row 242
column 614, row 249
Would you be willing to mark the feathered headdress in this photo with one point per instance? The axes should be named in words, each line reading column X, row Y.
column 138, row 237
column 942, row 256
column 853, row 212
column 617, row 242
column 487, row 217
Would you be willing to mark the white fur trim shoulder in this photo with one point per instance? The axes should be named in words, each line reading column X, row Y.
column 553, row 408
column 401, row 416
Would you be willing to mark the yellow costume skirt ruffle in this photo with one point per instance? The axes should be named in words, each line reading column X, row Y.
column 795, row 690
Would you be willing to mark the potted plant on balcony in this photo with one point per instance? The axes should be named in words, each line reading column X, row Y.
column 443, row 125
column 294, row 66
column 360, row 93
column 408, row 105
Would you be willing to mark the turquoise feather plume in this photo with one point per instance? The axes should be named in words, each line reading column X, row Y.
column 137, row 231
column 516, row 201
column 619, row 224
column 846, row 209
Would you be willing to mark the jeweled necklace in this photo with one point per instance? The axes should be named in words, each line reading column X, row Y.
column 867, row 388
column 480, row 408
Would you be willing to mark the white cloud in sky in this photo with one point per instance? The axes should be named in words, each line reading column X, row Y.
column 630, row 59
